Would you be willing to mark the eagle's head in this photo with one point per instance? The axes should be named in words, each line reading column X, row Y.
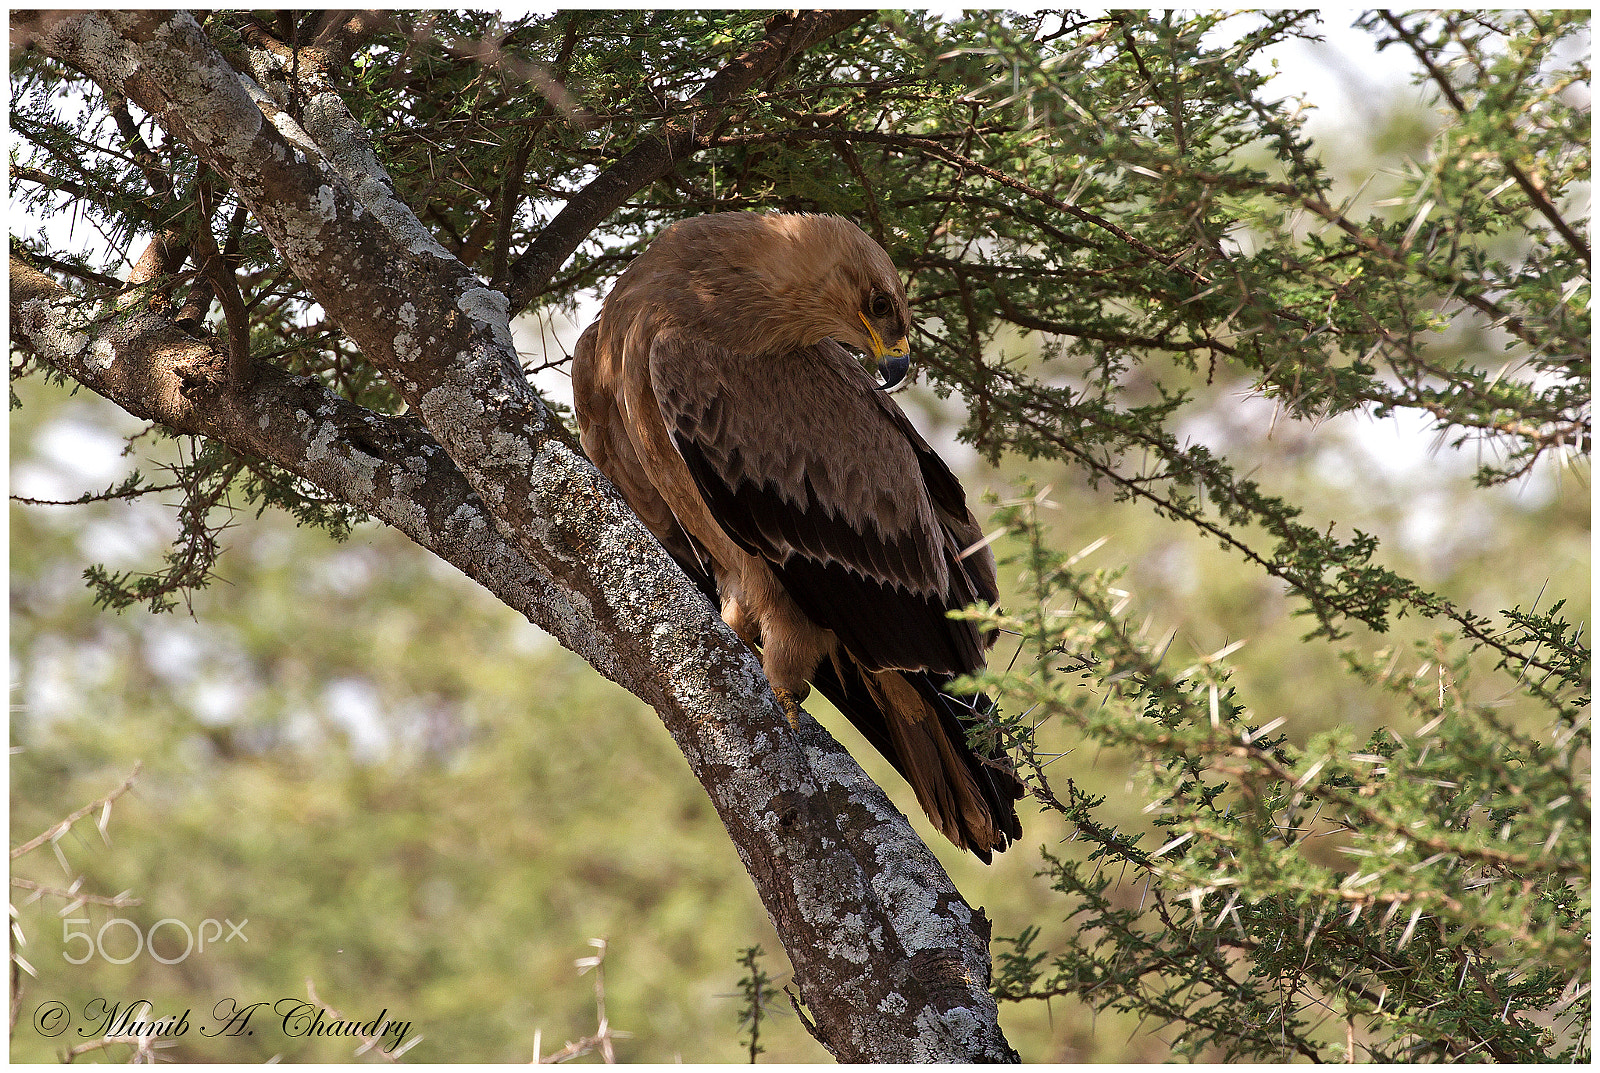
column 869, row 302
column 771, row 283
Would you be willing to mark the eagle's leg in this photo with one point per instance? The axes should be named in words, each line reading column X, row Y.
column 734, row 615
column 791, row 645
column 791, row 706
column 790, row 657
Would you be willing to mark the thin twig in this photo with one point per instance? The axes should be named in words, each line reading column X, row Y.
column 1535, row 192
column 115, row 901
column 56, row 830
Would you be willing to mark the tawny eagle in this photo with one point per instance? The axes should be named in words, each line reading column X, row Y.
column 714, row 393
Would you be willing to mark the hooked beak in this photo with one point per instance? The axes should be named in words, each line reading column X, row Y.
column 893, row 367
column 894, row 360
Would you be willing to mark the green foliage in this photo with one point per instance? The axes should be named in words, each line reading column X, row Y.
column 756, row 999
column 1469, row 831
column 206, row 479
column 1366, row 837
column 1461, row 847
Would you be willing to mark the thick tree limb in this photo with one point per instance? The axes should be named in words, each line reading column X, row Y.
column 391, row 468
column 890, row 960
column 388, row 467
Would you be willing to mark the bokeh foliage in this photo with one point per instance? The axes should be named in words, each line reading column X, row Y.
column 1367, row 828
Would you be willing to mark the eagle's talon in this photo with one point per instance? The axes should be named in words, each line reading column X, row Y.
column 791, row 707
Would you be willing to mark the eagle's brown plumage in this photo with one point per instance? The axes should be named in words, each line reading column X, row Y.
column 714, row 392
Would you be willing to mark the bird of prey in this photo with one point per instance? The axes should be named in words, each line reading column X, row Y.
column 714, row 392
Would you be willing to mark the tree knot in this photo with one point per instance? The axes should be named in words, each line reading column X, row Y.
column 943, row 975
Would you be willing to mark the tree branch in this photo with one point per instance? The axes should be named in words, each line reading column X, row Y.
column 224, row 285
column 1535, row 191
column 655, row 156
column 388, row 467
column 50, row 182
column 61, row 827
column 77, row 271
column 341, row 33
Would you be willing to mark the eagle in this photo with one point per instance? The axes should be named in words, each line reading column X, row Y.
column 715, row 391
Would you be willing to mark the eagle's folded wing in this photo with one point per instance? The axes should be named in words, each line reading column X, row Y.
column 807, row 466
column 607, row 443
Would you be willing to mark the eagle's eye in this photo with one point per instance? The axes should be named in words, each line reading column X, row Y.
column 879, row 305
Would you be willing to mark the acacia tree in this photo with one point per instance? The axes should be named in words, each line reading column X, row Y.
column 332, row 218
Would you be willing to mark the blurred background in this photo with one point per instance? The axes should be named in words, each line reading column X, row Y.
column 418, row 803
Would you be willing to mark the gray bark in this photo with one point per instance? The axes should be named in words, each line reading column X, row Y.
column 890, row 961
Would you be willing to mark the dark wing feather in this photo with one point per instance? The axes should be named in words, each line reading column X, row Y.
column 804, row 464
column 950, row 503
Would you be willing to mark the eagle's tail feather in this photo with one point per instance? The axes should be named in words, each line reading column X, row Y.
column 990, row 769
column 921, row 729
